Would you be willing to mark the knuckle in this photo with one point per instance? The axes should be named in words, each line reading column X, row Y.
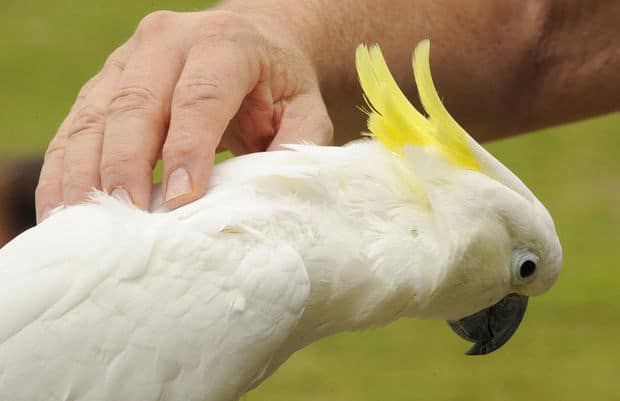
column 110, row 168
column 153, row 23
column 117, row 59
column 133, row 99
column 118, row 161
column 55, row 149
column 114, row 62
column 86, row 88
column 182, row 147
column 88, row 120
column 125, row 163
column 193, row 92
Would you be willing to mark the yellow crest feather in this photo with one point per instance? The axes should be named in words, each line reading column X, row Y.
column 396, row 123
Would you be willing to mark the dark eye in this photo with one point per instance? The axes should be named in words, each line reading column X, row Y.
column 527, row 269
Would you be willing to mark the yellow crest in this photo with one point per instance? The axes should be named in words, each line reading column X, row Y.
column 396, row 123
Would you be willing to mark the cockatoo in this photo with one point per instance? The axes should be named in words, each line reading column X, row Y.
column 105, row 302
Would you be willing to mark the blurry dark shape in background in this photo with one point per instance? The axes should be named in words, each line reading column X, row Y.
column 18, row 180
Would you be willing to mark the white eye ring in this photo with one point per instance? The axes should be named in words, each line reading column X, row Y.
column 524, row 266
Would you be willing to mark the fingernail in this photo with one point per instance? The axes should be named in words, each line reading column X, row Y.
column 121, row 194
column 179, row 184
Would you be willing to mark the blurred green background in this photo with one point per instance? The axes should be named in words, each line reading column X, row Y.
column 569, row 345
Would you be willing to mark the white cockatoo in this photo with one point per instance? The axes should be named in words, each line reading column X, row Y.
column 105, row 302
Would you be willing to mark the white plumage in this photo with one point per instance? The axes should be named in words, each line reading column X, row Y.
column 103, row 302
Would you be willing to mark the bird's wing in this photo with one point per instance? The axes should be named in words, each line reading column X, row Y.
column 178, row 316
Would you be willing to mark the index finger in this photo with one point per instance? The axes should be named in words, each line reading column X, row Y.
column 216, row 78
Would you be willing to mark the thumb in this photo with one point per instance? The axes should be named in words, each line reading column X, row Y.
column 304, row 120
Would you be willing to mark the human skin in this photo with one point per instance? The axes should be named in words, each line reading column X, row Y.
column 250, row 76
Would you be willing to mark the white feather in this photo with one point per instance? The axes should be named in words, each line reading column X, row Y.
column 105, row 302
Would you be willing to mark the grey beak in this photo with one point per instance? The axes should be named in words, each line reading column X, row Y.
column 492, row 327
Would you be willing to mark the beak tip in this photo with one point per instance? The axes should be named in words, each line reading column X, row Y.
column 479, row 349
column 471, row 352
column 491, row 328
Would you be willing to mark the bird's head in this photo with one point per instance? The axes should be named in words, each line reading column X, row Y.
column 500, row 240
column 503, row 248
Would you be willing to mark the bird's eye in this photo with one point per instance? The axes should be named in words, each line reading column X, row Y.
column 524, row 266
column 527, row 269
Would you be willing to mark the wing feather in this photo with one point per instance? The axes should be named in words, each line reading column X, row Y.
column 194, row 315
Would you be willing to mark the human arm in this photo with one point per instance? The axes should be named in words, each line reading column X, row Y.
column 502, row 68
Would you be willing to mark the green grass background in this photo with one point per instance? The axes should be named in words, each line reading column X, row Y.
column 568, row 347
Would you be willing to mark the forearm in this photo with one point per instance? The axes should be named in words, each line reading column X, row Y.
column 501, row 67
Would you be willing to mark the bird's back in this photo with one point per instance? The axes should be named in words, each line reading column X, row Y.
column 117, row 304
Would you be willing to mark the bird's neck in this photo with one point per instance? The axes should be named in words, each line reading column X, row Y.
column 366, row 236
column 370, row 256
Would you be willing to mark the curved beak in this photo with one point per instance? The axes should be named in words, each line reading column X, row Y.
column 492, row 327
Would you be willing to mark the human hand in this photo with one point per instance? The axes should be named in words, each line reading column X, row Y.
column 184, row 85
